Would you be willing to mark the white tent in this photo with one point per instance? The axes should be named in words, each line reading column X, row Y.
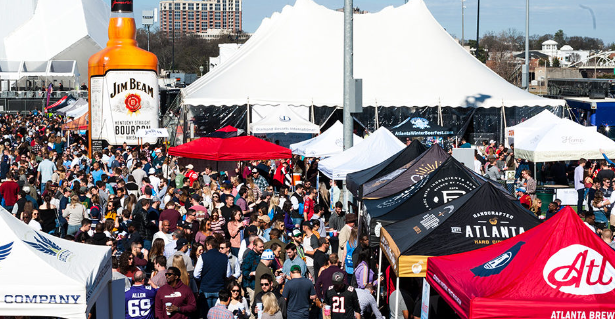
column 538, row 122
column 403, row 55
column 284, row 120
column 80, row 103
column 42, row 275
column 377, row 147
column 43, row 30
column 564, row 141
column 77, row 112
column 329, row 143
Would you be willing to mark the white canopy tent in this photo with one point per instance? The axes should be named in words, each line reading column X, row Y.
column 47, row 276
column 284, row 120
column 565, row 140
column 77, row 112
column 379, row 146
column 329, row 143
column 80, row 103
column 539, row 121
column 296, row 58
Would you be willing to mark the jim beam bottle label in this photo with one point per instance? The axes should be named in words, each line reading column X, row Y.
column 127, row 101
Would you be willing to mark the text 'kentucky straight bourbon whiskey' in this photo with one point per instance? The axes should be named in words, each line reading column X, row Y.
column 123, row 90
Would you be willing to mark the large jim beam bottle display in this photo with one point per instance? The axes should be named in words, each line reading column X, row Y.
column 123, row 90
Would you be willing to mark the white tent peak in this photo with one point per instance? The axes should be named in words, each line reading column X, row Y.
column 328, row 143
column 61, row 278
column 377, row 147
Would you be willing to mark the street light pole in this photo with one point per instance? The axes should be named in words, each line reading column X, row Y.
column 173, row 46
column 462, row 22
column 477, row 24
column 348, row 73
column 526, row 68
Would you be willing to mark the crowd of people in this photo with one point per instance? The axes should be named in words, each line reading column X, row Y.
column 193, row 243
column 249, row 243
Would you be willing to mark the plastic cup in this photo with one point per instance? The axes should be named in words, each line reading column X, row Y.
column 327, row 310
column 168, row 304
column 259, row 306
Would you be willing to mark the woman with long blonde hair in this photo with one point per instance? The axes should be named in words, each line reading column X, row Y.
column 271, row 309
column 178, row 261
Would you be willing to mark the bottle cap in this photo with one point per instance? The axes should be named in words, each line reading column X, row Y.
column 121, row 5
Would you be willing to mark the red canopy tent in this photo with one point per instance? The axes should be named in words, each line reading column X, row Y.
column 559, row 269
column 226, row 132
column 241, row 148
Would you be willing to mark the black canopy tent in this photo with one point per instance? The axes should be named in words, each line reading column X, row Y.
column 405, row 176
column 482, row 217
column 450, row 181
column 355, row 181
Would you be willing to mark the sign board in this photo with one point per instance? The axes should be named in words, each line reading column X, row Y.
column 465, row 156
column 147, row 17
column 569, row 196
column 425, row 300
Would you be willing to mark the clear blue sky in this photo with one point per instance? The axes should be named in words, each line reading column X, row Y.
column 546, row 16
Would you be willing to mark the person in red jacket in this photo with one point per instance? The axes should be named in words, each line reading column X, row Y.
column 9, row 190
column 174, row 300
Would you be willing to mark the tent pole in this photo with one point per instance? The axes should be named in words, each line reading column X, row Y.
column 313, row 115
column 503, row 120
column 379, row 272
column 376, row 116
column 397, row 297
column 248, row 118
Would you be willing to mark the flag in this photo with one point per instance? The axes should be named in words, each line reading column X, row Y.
column 49, row 91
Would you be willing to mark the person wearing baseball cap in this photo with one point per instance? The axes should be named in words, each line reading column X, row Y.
column 264, row 267
column 299, row 293
column 181, row 249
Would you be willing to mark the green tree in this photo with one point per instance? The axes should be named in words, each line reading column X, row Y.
column 479, row 53
column 560, row 37
column 556, row 63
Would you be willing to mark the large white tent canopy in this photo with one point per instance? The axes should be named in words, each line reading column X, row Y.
column 284, row 120
column 403, row 55
column 329, row 143
column 562, row 141
column 42, row 275
column 379, row 146
column 39, row 30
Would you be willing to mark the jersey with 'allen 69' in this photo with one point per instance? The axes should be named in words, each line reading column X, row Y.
column 343, row 304
column 140, row 302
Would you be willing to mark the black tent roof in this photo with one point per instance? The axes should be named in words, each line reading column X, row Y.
column 355, row 180
column 405, row 176
column 416, row 125
column 444, row 184
column 482, row 217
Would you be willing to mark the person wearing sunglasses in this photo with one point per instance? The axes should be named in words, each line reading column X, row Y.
column 174, row 299
column 267, row 285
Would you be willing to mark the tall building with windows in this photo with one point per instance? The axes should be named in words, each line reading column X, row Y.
column 200, row 16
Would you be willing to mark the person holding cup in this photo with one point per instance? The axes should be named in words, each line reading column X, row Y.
column 174, row 300
column 238, row 304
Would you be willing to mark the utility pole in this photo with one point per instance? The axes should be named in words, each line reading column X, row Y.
column 348, row 84
column 348, row 72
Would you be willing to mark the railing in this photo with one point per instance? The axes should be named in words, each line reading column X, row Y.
column 42, row 94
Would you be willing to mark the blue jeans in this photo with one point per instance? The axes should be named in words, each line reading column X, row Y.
column 297, row 221
column 210, row 302
column 72, row 229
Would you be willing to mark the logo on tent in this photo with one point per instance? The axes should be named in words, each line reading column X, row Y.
column 419, row 122
column 497, row 264
column 284, row 118
column 579, row 270
column 5, row 250
column 48, row 247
